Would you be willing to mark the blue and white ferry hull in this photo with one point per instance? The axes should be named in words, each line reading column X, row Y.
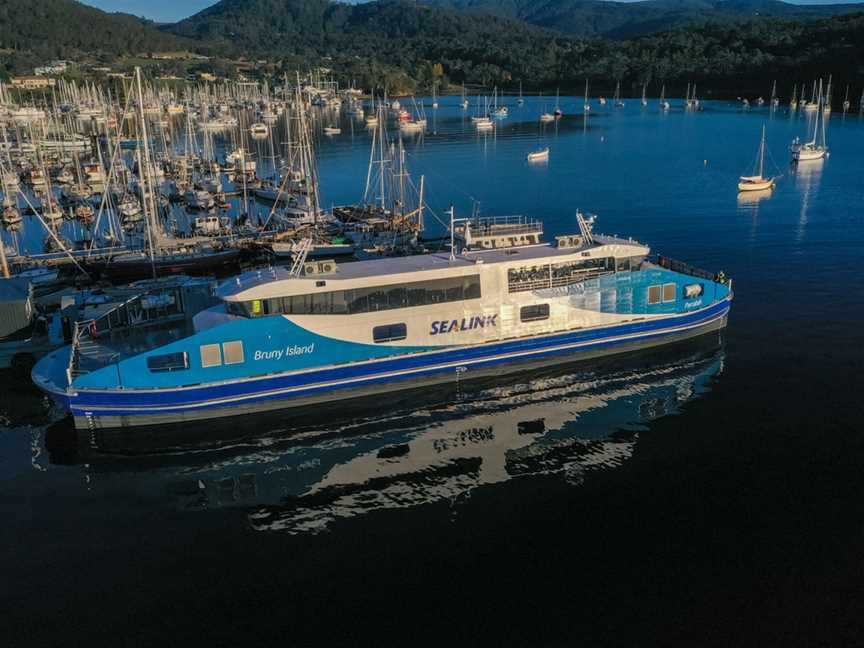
column 278, row 342
column 131, row 407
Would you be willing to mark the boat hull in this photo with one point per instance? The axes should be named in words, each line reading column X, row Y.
column 804, row 155
column 756, row 186
column 191, row 264
column 130, row 408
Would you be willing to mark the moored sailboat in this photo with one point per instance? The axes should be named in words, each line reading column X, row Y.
column 541, row 155
column 817, row 147
column 757, row 181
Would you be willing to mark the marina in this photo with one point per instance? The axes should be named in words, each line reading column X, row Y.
column 419, row 355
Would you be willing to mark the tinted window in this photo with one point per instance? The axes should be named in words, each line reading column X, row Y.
column 534, row 313
column 389, row 333
column 654, row 295
column 365, row 300
column 168, row 362
column 557, row 274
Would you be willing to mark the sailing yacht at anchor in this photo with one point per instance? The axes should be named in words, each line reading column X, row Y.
column 757, row 181
column 817, row 147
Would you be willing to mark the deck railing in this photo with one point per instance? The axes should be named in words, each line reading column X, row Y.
column 693, row 271
column 502, row 226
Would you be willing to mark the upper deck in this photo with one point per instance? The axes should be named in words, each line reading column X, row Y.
column 277, row 281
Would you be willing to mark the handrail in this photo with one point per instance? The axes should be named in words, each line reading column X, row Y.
column 80, row 327
column 685, row 268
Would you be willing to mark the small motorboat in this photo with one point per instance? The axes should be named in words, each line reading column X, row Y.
column 539, row 156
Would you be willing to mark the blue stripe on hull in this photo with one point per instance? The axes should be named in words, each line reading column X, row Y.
column 139, row 402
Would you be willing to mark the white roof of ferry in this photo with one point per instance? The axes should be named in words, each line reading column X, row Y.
column 389, row 266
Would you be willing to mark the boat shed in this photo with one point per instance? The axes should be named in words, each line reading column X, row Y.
column 16, row 306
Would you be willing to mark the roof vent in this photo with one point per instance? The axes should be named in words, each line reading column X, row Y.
column 325, row 267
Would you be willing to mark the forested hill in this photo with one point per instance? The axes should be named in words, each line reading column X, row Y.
column 401, row 43
column 377, row 28
column 405, row 46
column 39, row 30
column 602, row 19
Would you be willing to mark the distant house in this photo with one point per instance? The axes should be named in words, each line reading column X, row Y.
column 32, row 82
column 206, row 76
column 55, row 67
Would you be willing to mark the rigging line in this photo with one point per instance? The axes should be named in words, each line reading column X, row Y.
column 52, row 233
column 462, row 192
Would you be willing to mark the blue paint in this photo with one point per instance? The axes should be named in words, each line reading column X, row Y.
column 269, row 335
column 424, row 364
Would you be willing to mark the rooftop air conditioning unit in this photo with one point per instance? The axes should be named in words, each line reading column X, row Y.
column 569, row 241
column 320, row 267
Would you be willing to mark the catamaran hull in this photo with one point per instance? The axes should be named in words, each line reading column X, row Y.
column 132, row 408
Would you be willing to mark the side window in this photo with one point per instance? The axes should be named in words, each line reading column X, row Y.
column 654, row 295
column 534, row 313
column 389, row 333
column 168, row 362
column 233, row 352
column 211, row 355
column 669, row 290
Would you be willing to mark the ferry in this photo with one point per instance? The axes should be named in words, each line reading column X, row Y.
column 498, row 301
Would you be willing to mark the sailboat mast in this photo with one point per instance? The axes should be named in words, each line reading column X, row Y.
column 762, row 154
column 420, row 225
column 143, row 171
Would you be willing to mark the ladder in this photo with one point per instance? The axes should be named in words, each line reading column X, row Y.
column 300, row 254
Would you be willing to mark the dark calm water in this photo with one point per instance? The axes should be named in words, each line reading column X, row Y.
column 706, row 494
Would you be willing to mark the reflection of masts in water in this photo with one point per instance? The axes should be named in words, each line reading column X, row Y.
column 808, row 175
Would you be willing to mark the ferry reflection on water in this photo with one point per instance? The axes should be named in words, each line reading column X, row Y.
column 428, row 447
